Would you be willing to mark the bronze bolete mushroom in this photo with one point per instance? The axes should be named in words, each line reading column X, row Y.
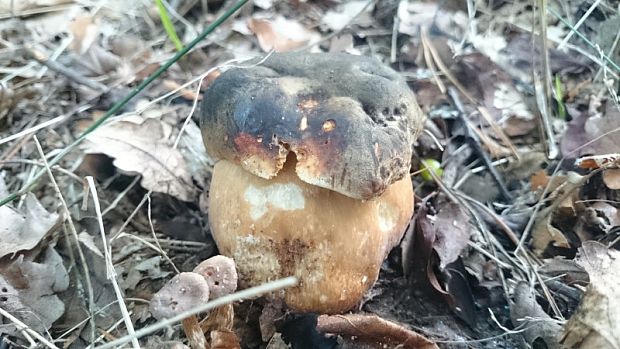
column 312, row 180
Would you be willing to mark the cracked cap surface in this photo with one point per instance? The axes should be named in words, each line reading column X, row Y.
column 349, row 120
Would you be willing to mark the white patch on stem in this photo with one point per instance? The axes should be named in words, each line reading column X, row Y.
column 284, row 196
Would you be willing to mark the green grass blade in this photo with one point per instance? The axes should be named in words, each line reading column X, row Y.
column 559, row 99
column 582, row 37
column 168, row 26
column 120, row 104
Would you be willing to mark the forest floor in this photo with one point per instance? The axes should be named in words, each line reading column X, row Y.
column 515, row 237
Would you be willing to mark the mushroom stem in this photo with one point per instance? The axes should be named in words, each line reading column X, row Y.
column 220, row 274
column 224, row 339
column 220, row 318
column 283, row 226
column 183, row 292
column 194, row 333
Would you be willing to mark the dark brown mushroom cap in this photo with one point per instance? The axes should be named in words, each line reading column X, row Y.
column 183, row 292
column 350, row 120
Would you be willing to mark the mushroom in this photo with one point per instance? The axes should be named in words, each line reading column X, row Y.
column 220, row 273
column 183, row 292
column 312, row 176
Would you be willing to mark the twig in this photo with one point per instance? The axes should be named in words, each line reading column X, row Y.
column 428, row 58
column 60, row 118
column 76, row 239
column 23, row 327
column 471, row 15
column 150, row 219
column 579, row 23
column 111, row 273
column 483, row 110
column 537, row 207
column 54, row 56
column 582, row 37
column 121, row 195
column 489, row 255
column 543, row 97
column 148, row 244
column 110, row 329
column 120, row 104
column 41, row 164
column 494, row 163
column 35, row 11
column 80, row 324
column 237, row 296
column 61, row 69
column 394, row 41
column 498, row 220
column 488, row 239
column 434, row 138
column 475, row 143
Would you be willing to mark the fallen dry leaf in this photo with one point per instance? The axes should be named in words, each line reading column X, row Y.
column 276, row 342
column 10, row 97
column 343, row 43
column 434, row 233
column 565, row 197
column 566, row 270
column 419, row 262
column 415, row 15
column 24, row 229
column 528, row 315
column 89, row 242
column 595, row 323
column 609, row 212
column 271, row 312
column 338, row 18
column 264, row 4
column 100, row 61
column 186, row 93
column 593, row 133
column 85, row 32
column 143, row 144
column 544, row 234
column 539, row 180
column 11, row 6
column 372, row 329
column 28, row 289
column 452, row 233
column 498, row 93
column 280, row 34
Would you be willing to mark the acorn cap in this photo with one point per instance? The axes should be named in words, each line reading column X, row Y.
column 349, row 120
column 183, row 292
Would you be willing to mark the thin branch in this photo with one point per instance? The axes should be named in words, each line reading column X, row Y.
column 579, row 23
column 61, row 69
column 231, row 298
column 23, row 327
column 74, row 234
column 111, row 273
column 121, row 104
